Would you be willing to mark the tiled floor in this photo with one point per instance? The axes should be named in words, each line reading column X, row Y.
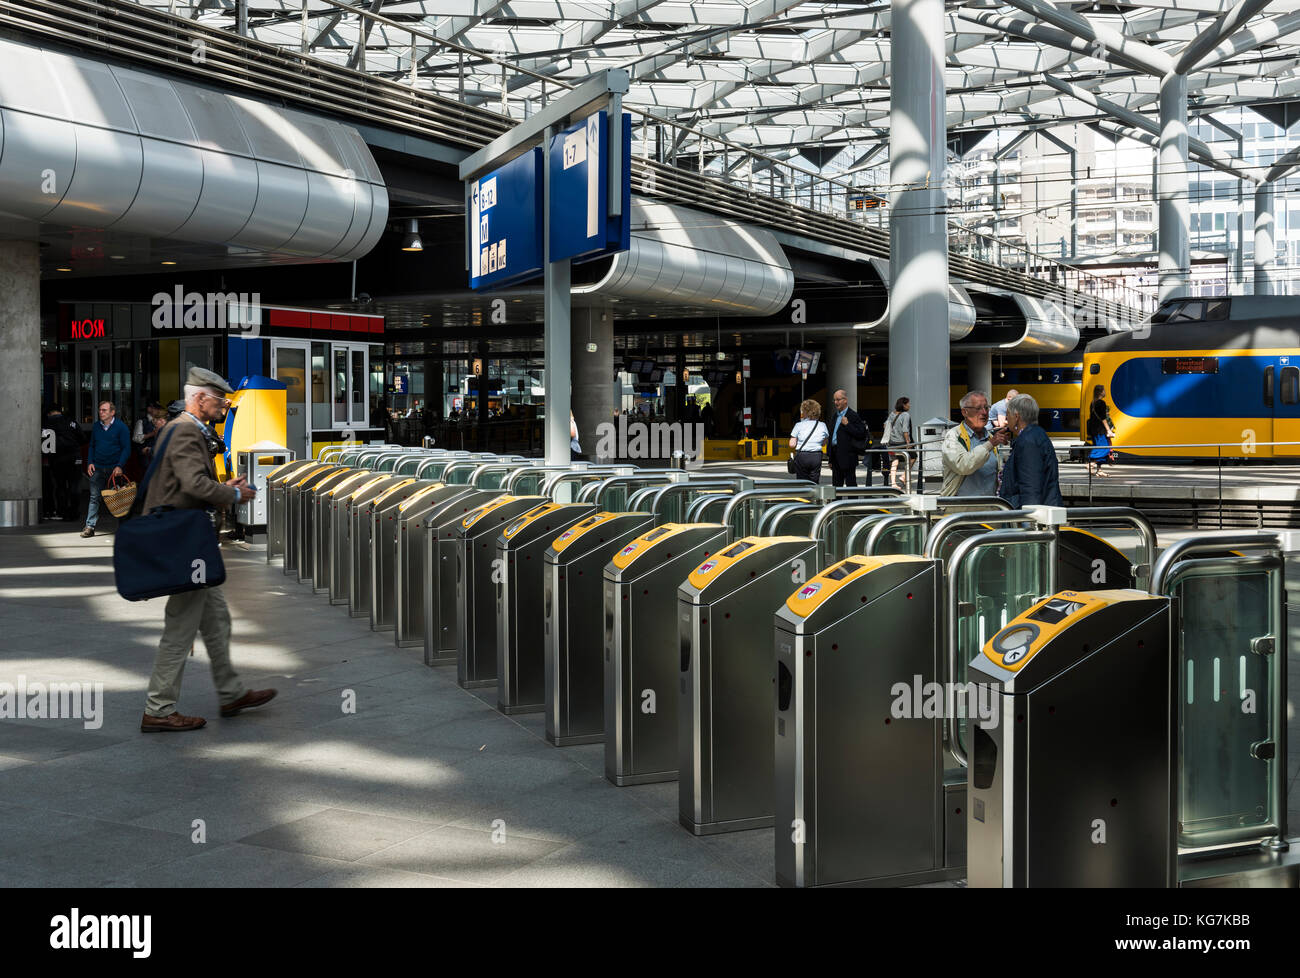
column 425, row 784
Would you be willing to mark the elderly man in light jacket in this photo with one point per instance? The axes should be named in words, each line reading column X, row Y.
column 970, row 461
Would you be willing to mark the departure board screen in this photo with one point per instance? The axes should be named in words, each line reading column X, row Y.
column 1190, row 365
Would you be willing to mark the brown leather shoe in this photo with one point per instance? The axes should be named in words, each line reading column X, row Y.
column 253, row 698
column 172, row 723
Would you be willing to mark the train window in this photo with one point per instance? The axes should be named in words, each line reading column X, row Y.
column 1189, row 365
column 1291, row 385
column 1216, row 310
column 1163, row 314
column 1192, row 311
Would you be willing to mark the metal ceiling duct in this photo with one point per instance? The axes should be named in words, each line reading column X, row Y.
column 1039, row 325
column 92, row 145
column 685, row 257
column 961, row 311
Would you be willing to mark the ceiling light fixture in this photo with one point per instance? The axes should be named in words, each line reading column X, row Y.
column 169, row 263
column 412, row 240
column 64, row 268
column 117, row 257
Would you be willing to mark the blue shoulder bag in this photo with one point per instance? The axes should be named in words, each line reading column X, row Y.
column 167, row 550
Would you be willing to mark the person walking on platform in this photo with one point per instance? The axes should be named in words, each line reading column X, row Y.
column 898, row 435
column 807, row 438
column 63, row 463
column 110, row 448
column 848, row 438
column 185, row 478
column 1031, row 476
column 971, row 462
column 1100, row 432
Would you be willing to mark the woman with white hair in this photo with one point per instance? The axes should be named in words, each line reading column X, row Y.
column 1031, row 476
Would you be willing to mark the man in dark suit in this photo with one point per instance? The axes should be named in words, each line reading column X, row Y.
column 183, row 476
column 848, row 439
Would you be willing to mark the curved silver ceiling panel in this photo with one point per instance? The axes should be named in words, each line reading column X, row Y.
column 682, row 256
column 91, row 145
column 961, row 311
column 1044, row 326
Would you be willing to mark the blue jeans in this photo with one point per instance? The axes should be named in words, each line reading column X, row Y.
column 97, row 483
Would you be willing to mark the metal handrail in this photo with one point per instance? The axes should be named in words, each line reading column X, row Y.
column 994, row 538
column 853, row 506
column 1206, row 544
column 769, row 524
column 695, row 512
column 1126, row 515
column 657, row 493
column 853, row 542
column 799, row 488
column 883, row 526
column 953, row 521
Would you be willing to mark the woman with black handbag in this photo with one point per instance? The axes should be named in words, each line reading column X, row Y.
column 807, row 439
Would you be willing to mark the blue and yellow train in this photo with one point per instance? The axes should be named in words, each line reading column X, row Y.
column 1203, row 372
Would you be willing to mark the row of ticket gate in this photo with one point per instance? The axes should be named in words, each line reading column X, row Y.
column 909, row 688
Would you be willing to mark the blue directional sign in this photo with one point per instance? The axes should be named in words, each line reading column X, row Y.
column 581, row 226
column 505, row 223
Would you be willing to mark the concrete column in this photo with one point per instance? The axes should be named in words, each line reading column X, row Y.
column 557, row 301
column 1172, row 189
column 841, row 370
column 593, row 373
column 1264, row 247
column 918, row 232
column 20, row 382
column 979, row 372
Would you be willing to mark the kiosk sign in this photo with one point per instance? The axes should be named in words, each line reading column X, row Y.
column 505, row 223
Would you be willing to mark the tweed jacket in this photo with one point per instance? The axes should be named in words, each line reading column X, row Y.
column 185, row 477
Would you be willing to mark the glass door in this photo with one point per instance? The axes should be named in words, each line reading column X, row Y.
column 289, row 366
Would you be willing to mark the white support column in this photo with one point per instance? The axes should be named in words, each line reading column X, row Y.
column 1264, row 247
column 918, row 232
column 557, row 305
column 979, row 372
column 20, row 382
column 1175, row 245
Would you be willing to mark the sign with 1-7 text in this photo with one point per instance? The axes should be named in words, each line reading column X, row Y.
column 505, row 223
column 581, row 225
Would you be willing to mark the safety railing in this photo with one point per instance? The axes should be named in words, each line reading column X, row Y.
column 1219, row 451
column 721, row 176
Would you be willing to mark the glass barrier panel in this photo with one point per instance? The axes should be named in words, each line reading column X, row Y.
column 1225, row 689
column 994, row 584
column 905, row 539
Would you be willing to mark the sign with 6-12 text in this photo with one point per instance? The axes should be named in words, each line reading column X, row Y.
column 581, row 225
column 505, row 223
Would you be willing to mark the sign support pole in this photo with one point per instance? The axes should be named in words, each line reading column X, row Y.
column 558, row 314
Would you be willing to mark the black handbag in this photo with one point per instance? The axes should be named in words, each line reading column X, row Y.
column 167, row 550
column 789, row 462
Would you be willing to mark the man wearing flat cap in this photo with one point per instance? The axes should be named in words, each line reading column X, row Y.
column 185, row 478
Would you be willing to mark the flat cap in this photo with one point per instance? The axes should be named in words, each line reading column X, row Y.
column 199, row 377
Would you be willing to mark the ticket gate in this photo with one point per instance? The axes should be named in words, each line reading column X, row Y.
column 476, row 607
column 343, row 532
column 275, row 496
column 1057, row 796
column 574, row 623
column 361, row 549
column 441, row 544
column 293, row 514
column 412, row 541
column 724, row 715
column 641, row 648
column 322, row 525
column 521, row 550
column 858, row 775
column 304, row 500
column 384, row 533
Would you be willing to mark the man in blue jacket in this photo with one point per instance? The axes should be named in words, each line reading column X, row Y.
column 110, row 447
column 1030, row 477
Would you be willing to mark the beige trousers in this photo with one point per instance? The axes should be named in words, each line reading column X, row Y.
column 190, row 613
